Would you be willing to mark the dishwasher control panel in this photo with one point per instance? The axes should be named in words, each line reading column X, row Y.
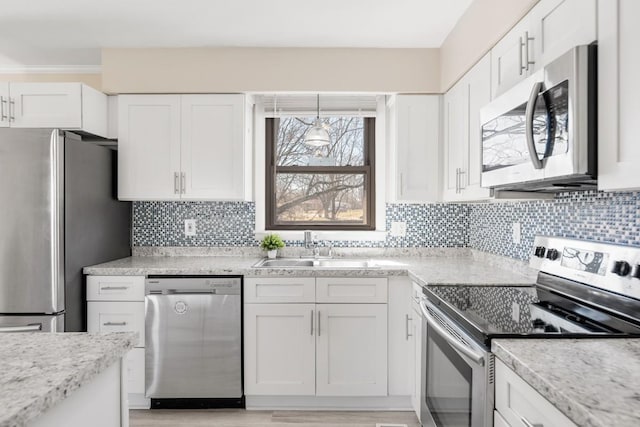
column 193, row 285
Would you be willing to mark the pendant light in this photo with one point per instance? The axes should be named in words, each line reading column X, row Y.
column 317, row 135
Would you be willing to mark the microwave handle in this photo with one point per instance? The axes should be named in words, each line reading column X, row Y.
column 531, row 105
column 477, row 358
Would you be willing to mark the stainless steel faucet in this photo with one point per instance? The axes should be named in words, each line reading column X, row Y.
column 311, row 242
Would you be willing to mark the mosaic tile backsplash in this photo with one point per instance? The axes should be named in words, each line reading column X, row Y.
column 232, row 224
column 588, row 215
column 607, row 217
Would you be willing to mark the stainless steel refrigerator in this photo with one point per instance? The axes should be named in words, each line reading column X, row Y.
column 58, row 213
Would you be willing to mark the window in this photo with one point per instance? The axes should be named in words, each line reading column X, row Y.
column 320, row 188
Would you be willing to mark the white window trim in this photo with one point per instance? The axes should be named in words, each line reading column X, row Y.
column 380, row 232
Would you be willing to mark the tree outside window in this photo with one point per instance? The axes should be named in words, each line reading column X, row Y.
column 328, row 187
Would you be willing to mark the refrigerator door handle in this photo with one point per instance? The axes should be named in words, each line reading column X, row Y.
column 22, row 328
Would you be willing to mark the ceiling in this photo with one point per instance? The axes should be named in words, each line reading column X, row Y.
column 71, row 32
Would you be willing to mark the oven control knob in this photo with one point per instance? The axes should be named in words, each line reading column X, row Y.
column 540, row 251
column 621, row 268
column 636, row 274
column 552, row 254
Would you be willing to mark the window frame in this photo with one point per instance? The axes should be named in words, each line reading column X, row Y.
column 367, row 169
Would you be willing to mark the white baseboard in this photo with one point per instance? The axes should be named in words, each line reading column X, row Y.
column 138, row 401
column 323, row 403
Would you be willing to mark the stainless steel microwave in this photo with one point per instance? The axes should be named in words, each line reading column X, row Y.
column 541, row 134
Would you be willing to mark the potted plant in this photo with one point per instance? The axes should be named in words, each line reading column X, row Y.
column 271, row 243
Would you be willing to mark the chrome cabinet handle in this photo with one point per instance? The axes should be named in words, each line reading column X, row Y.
column 114, row 288
column 318, row 322
column 462, row 172
column 457, row 180
column 183, row 182
column 477, row 358
column 406, row 326
column 531, row 105
column 12, row 110
column 3, row 102
column 311, row 322
column 527, row 39
column 520, row 54
column 401, row 185
column 22, row 328
column 115, row 324
column 527, row 423
column 176, row 185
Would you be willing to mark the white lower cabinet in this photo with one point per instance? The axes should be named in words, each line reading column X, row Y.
column 116, row 304
column 519, row 404
column 351, row 350
column 315, row 349
column 280, row 349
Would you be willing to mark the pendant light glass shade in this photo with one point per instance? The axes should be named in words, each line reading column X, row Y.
column 317, row 135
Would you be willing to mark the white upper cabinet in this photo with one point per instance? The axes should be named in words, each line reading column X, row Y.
column 72, row 106
column 559, row 25
column 149, row 147
column 415, row 135
column 187, row 147
column 618, row 95
column 462, row 134
column 212, row 149
column 550, row 29
column 509, row 65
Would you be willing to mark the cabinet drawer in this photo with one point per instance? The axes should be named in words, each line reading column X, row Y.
column 116, row 317
column 135, row 371
column 518, row 402
column 351, row 290
column 115, row 288
column 279, row 290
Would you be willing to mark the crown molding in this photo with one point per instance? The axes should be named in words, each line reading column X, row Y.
column 52, row 69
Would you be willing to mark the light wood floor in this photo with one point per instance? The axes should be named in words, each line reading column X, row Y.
column 242, row 418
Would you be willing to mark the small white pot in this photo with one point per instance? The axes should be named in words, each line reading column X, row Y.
column 272, row 253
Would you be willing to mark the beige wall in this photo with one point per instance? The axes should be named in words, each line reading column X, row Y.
column 222, row 70
column 480, row 27
column 93, row 80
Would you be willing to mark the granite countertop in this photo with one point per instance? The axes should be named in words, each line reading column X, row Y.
column 594, row 382
column 448, row 267
column 41, row 369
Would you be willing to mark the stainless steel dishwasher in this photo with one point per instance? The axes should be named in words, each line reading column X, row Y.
column 193, row 341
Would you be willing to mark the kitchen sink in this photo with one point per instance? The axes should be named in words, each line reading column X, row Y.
column 316, row 263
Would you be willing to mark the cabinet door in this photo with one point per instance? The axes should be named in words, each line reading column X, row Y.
column 148, row 147
column 455, row 104
column 351, row 350
column 416, row 393
column 400, row 340
column 559, row 25
column 279, row 349
column 43, row 105
column 479, row 94
column 135, row 371
column 618, row 95
column 4, row 105
column 518, row 402
column 417, row 142
column 508, row 59
column 212, row 151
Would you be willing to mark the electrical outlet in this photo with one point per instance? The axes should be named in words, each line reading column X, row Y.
column 189, row 227
column 515, row 312
column 517, row 233
column 398, row 229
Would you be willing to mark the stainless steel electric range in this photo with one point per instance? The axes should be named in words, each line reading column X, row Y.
column 583, row 290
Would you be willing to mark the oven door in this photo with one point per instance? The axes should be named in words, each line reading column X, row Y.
column 458, row 387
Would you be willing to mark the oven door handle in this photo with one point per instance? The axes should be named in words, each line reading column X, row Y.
column 477, row 358
column 529, row 113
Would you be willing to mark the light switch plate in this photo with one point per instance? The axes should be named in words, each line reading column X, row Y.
column 398, row 229
column 189, row 227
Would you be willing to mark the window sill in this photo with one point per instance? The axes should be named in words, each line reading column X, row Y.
column 336, row 236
